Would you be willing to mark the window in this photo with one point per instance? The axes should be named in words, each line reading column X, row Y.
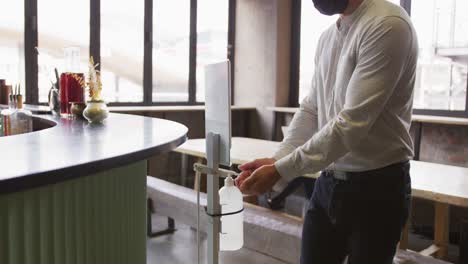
column 171, row 31
column 146, row 49
column 61, row 23
column 441, row 77
column 12, row 42
column 212, row 38
column 122, row 48
column 313, row 23
column 442, row 30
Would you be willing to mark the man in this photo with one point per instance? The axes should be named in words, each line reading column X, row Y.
column 354, row 127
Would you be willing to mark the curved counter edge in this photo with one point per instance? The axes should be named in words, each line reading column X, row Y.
column 94, row 165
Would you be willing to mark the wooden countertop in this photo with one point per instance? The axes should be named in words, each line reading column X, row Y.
column 181, row 108
column 443, row 120
column 431, row 181
column 42, row 109
column 286, row 110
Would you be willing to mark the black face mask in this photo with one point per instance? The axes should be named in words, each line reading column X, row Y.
column 330, row 7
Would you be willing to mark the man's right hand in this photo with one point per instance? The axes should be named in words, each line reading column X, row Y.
column 248, row 168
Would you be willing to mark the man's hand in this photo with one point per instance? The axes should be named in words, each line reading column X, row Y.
column 258, row 176
column 249, row 167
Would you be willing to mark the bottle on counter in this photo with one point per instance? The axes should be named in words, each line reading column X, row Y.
column 232, row 226
column 7, row 114
column 1, row 127
column 21, row 119
column 71, row 81
column 3, row 92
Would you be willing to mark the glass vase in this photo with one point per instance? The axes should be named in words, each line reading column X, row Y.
column 96, row 111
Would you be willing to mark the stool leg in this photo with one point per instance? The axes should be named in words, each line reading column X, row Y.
column 183, row 169
column 441, row 229
column 404, row 236
column 149, row 227
column 463, row 258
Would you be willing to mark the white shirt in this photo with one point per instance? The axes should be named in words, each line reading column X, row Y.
column 358, row 112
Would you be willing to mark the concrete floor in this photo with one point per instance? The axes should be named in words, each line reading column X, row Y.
column 418, row 243
column 181, row 248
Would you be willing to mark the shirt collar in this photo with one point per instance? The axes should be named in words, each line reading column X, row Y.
column 345, row 22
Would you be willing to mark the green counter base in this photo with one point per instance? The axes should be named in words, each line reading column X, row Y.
column 99, row 219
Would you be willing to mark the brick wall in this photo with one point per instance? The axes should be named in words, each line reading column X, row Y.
column 445, row 144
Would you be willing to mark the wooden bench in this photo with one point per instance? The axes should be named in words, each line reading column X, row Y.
column 272, row 233
column 444, row 185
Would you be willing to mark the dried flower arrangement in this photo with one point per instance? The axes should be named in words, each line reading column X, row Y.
column 94, row 81
column 96, row 110
column 94, row 84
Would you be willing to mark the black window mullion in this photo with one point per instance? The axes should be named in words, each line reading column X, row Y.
column 148, row 54
column 192, row 78
column 295, row 53
column 30, row 52
column 95, row 31
column 231, row 41
column 466, row 99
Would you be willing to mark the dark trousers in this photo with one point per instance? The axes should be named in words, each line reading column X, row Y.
column 361, row 216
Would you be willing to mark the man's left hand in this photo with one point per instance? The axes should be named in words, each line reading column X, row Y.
column 261, row 180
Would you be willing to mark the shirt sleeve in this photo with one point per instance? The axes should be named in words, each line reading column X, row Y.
column 301, row 128
column 381, row 60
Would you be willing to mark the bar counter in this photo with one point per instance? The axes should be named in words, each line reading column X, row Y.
column 75, row 192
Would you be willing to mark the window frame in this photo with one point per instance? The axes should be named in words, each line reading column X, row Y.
column 295, row 50
column 31, row 56
column 295, row 63
column 30, row 52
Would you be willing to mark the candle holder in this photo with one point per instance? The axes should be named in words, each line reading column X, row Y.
column 77, row 109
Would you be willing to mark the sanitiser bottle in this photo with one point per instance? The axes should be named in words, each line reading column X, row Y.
column 232, row 225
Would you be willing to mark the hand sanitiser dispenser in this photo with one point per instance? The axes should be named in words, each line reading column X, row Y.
column 224, row 208
column 232, row 225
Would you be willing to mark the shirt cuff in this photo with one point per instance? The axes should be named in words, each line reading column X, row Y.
column 287, row 170
column 283, row 151
column 280, row 185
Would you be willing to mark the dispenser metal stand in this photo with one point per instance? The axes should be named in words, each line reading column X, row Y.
column 213, row 208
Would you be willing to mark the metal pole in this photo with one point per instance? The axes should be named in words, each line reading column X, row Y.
column 212, row 156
